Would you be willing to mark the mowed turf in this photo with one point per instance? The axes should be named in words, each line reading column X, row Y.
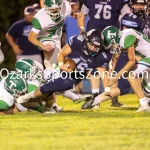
column 105, row 129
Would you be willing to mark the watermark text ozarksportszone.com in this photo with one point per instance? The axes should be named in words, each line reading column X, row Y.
column 78, row 75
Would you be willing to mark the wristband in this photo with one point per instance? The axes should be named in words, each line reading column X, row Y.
column 60, row 64
column 82, row 28
column 107, row 89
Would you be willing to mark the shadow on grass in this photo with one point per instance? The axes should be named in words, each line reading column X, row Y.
column 124, row 108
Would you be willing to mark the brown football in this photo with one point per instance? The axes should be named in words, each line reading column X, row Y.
column 72, row 63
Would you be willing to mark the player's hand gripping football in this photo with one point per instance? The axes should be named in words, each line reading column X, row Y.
column 65, row 67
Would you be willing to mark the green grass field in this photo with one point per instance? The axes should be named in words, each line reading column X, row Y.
column 107, row 128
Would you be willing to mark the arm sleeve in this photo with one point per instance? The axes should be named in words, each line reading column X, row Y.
column 36, row 25
column 129, row 41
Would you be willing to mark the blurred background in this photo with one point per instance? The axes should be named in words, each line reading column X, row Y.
column 11, row 11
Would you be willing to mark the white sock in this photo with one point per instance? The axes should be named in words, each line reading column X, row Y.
column 47, row 64
column 100, row 98
column 95, row 91
column 144, row 101
column 20, row 107
column 96, row 101
column 69, row 94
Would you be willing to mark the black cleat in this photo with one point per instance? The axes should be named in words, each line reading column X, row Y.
column 88, row 103
column 116, row 104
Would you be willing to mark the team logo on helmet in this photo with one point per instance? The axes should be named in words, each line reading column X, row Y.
column 112, row 39
column 27, row 69
column 53, row 8
column 15, row 85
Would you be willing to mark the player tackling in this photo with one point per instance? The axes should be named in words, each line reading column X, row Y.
column 134, row 43
column 86, row 52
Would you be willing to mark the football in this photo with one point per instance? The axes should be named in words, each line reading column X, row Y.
column 72, row 63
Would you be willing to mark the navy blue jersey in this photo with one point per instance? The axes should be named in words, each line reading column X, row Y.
column 85, row 62
column 141, row 25
column 103, row 13
column 132, row 21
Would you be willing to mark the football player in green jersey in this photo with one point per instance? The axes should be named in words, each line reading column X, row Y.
column 134, row 43
column 47, row 30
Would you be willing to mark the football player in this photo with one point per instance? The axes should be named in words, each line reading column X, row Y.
column 86, row 52
column 103, row 13
column 11, row 88
column 138, row 19
column 133, row 42
column 47, row 29
column 32, row 71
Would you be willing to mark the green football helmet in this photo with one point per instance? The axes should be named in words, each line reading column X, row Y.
column 27, row 68
column 53, row 8
column 112, row 39
column 15, row 85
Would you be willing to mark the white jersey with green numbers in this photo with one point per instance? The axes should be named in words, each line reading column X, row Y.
column 45, row 27
column 140, row 41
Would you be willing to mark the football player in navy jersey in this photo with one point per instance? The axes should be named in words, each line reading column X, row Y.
column 86, row 52
column 139, row 20
column 103, row 13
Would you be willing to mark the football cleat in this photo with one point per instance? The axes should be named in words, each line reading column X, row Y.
column 50, row 111
column 116, row 104
column 88, row 103
column 144, row 108
column 96, row 106
column 57, row 108
column 81, row 97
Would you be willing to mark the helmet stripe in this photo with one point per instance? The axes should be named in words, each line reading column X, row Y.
column 25, row 62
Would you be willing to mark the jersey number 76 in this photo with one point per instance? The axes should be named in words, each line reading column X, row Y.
column 105, row 9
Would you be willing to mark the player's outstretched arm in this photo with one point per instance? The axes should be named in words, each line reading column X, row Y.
column 127, row 67
column 113, row 62
column 81, row 20
column 33, row 39
column 130, row 63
